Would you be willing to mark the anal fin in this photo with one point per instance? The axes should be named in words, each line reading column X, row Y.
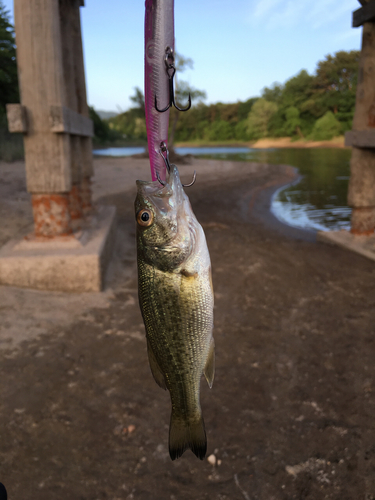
column 155, row 369
column 209, row 369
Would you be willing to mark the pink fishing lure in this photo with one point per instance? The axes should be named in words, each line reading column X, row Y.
column 159, row 34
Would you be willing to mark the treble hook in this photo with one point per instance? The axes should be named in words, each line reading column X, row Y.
column 192, row 182
column 171, row 70
column 163, row 149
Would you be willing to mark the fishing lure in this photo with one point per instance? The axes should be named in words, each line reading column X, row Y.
column 159, row 34
column 160, row 71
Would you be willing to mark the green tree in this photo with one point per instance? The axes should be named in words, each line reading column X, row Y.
column 219, row 131
column 297, row 89
column 336, row 81
column 103, row 132
column 293, row 93
column 293, row 122
column 326, row 127
column 8, row 66
column 139, row 100
column 332, row 88
column 182, row 91
column 273, row 93
column 259, row 117
column 131, row 124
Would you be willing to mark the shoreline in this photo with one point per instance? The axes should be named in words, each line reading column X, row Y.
column 286, row 142
column 269, row 142
column 265, row 143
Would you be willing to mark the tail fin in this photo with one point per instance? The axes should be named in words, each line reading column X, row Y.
column 187, row 434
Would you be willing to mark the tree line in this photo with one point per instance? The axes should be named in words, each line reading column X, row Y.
column 317, row 107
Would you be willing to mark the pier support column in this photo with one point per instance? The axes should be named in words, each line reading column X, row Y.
column 361, row 194
column 67, row 250
column 54, row 115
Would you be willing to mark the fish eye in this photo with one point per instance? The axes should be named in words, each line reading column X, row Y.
column 145, row 217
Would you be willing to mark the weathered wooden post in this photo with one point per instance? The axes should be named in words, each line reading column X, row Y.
column 66, row 250
column 361, row 195
column 53, row 114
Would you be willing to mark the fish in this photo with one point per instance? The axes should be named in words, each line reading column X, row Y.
column 159, row 36
column 176, row 300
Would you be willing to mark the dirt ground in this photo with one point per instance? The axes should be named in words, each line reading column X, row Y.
column 291, row 412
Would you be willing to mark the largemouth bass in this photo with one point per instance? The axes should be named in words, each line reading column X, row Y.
column 176, row 300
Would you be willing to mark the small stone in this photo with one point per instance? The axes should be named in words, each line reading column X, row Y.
column 131, row 428
column 117, row 430
column 211, row 459
column 219, row 462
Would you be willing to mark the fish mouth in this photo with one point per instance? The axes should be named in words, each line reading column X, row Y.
column 166, row 249
column 164, row 197
column 172, row 182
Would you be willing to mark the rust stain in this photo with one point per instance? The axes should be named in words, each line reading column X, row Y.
column 363, row 221
column 371, row 117
column 51, row 215
column 75, row 203
column 86, row 195
column 362, row 233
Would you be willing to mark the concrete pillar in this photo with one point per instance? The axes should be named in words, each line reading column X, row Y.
column 361, row 195
column 53, row 114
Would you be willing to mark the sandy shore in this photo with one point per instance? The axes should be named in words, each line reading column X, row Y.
column 278, row 142
column 286, row 142
column 291, row 412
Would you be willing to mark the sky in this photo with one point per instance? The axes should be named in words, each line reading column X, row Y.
column 238, row 47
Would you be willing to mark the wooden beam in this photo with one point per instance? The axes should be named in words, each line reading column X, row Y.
column 360, row 138
column 67, row 121
column 364, row 15
column 363, row 2
column 16, row 114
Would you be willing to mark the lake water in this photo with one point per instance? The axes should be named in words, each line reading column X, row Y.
column 316, row 201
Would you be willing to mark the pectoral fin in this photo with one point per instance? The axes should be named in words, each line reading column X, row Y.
column 189, row 273
column 209, row 369
column 155, row 369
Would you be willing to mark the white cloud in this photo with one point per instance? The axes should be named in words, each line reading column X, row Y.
column 265, row 7
column 285, row 14
column 328, row 11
